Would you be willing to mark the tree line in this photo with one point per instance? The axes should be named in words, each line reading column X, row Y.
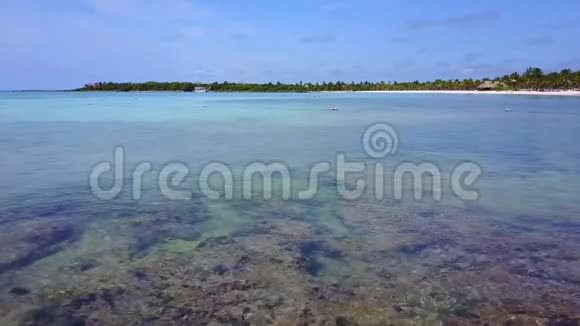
column 532, row 79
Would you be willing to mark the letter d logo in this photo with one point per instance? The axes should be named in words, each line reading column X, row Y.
column 118, row 177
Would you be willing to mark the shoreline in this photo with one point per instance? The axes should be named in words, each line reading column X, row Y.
column 528, row 93
column 532, row 93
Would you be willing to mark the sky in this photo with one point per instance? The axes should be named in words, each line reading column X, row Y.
column 63, row 44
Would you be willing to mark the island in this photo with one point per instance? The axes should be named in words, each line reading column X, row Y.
column 533, row 80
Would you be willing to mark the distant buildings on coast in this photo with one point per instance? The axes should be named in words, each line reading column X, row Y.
column 489, row 85
column 199, row 89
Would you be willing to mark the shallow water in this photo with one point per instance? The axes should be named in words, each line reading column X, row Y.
column 72, row 258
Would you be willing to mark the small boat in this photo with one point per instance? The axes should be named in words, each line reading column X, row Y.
column 334, row 109
column 507, row 110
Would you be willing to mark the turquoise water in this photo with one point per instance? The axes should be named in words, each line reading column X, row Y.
column 529, row 157
column 51, row 223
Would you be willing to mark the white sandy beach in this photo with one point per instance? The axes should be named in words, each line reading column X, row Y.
column 545, row 93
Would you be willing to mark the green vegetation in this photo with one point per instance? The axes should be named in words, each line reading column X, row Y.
column 533, row 79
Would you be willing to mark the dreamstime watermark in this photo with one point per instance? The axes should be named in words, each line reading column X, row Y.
column 379, row 141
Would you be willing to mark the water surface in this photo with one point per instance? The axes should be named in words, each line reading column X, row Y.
column 73, row 258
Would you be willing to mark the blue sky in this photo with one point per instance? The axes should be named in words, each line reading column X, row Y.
column 61, row 44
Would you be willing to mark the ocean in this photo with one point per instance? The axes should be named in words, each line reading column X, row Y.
column 491, row 227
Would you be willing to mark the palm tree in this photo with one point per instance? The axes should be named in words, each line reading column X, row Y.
column 566, row 78
column 532, row 77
